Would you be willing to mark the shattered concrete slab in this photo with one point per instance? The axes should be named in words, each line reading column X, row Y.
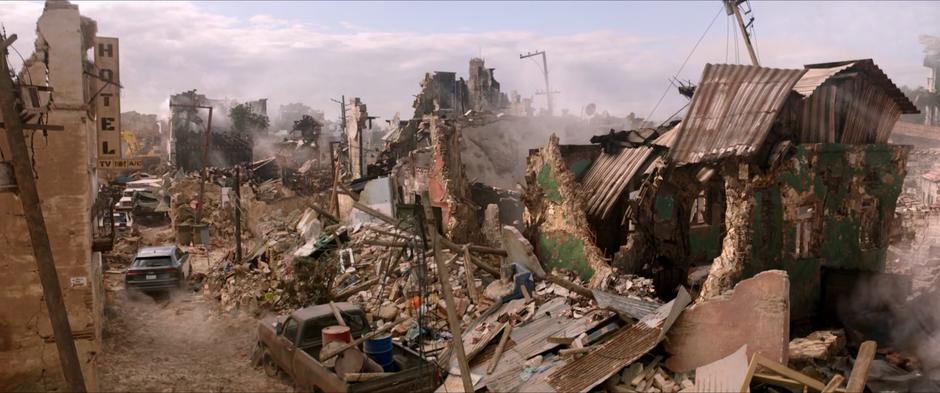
column 556, row 213
column 520, row 250
column 756, row 313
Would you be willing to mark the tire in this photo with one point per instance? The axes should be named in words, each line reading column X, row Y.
column 267, row 363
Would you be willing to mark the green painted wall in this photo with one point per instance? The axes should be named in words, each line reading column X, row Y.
column 825, row 177
column 557, row 249
column 704, row 243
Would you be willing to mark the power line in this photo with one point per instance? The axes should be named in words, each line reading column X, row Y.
column 666, row 90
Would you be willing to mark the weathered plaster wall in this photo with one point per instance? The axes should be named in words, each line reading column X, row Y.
column 562, row 236
column 852, row 191
column 447, row 182
column 64, row 163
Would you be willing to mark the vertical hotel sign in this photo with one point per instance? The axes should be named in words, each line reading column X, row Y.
column 108, row 99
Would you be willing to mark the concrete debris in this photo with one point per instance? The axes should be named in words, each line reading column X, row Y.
column 759, row 307
column 820, row 346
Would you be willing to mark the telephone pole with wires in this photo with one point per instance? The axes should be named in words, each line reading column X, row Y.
column 548, row 90
column 731, row 7
column 13, row 125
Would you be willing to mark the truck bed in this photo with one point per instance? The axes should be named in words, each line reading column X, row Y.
column 415, row 375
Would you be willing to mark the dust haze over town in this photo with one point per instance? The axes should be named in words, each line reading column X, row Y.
column 704, row 196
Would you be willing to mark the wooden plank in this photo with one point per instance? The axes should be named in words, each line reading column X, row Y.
column 499, row 348
column 859, row 375
column 751, row 368
column 444, row 281
column 788, row 372
column 833, row 384
column 337, row 315
column 48, row 127
column 468, row 269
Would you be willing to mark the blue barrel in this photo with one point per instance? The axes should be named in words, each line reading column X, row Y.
column 379, row 349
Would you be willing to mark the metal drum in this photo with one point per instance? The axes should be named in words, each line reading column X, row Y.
column 380, row 350
column 335, row 334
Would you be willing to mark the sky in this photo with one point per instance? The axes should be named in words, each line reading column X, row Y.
column 618, row 55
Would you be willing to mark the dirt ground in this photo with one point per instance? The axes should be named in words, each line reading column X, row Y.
column 174, row 342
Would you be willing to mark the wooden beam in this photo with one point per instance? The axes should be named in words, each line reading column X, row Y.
column 28, row 126
column 468, row 270
column 500, row 347
column 859, row 375
column 388, row 326
column 337, row 315
column 28, row 195
column 452, row 319
column 833, row 383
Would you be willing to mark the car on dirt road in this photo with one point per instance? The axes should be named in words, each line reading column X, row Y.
column 158, row 268
column 292, row 343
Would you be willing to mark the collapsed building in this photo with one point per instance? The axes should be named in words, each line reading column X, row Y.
column 67, row 181
column 229, row 142
column 770, row 169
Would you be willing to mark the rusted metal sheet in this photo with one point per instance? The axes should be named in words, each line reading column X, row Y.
column 667, row 139
column 627, row 306
column 867, row 66
column 732, row 111
column 609, row 176
column 849, row 102
column 625, row 347
column 933, row 175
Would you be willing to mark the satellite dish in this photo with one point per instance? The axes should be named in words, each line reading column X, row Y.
column 590, row 109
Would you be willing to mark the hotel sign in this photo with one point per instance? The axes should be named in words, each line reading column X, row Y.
column 108, row 99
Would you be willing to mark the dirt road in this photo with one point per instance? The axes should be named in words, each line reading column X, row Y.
column 174, row 342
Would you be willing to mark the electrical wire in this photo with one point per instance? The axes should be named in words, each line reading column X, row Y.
column 666, row 90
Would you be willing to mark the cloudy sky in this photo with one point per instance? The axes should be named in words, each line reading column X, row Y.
column 619, row 55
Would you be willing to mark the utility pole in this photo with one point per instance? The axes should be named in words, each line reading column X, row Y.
column 39, row 238
column 238, row 214
column 548, row 90
column 342, row 110
column 205, row 157
column 731, row 7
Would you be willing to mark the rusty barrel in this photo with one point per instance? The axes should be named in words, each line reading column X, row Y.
column 335, row 333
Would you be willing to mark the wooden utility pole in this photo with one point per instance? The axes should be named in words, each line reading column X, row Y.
column 39, row 238
column 238, row 214
column 443, row 274
column 731, row 7
column 205, row 158
column 548, row 88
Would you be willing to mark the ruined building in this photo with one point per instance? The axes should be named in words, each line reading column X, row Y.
column 231, row 140
column 67, row 179
column 770, row 169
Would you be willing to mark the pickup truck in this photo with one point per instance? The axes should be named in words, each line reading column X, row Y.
column 292, row 344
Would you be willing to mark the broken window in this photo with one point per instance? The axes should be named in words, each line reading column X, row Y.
column 869, row 233
column 804, row 231
column 699, row 214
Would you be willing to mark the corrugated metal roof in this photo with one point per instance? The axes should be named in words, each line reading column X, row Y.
column 732, row 111
column 609, row 176
column 933, row 175
column 815, row 77
column 625, row 346
column 667, row 139
column 817, row 74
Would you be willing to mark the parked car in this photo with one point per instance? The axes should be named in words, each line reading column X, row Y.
column 126, row 203
column 156, row 268
column 123, row 221
column 292, row 344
